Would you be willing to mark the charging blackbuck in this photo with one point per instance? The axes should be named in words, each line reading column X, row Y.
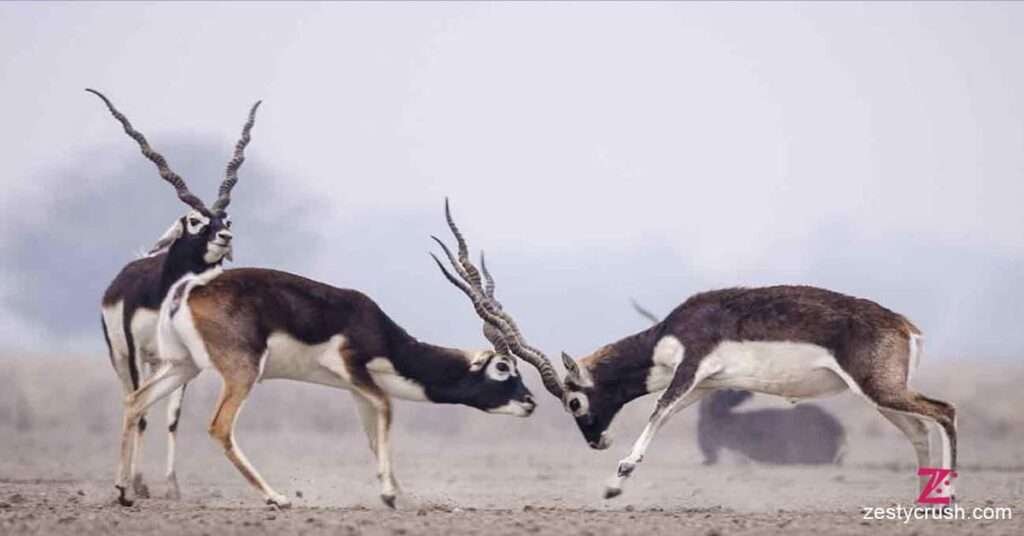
column 806, row 434
column 255, row 324
column 791, row 341
column 195, row 244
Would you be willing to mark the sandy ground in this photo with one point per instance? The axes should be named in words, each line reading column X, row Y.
column 464, row 472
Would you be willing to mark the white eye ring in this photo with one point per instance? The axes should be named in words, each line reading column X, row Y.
column 499, row 370
column 581, row 402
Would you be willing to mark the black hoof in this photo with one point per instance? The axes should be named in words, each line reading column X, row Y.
column 626, row 469
column 388, row 500
column 611, row 493
column 122, row 499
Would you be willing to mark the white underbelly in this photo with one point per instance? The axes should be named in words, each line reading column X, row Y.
column 787, row 369
column 290, row 359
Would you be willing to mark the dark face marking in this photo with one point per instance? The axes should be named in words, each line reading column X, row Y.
column 488, row 386
column 610, row 377
column 593, row 410
column 207, row 236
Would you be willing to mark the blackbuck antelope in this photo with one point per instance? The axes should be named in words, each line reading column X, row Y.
column 806, row 434
column 254, row 324
column 790, row 341
column 197, row 243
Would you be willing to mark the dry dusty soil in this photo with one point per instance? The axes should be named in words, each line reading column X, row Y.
column 464, row 472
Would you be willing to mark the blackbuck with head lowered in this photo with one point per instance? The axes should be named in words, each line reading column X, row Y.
column 795, row 342
column 254, row 324
column 195, row 244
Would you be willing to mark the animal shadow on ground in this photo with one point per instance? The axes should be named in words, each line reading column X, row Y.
column 806, row 434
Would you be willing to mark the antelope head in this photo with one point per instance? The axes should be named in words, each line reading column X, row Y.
column 203, row 235
column 498, row 365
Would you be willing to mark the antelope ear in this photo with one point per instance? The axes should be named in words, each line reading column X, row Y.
column 168, row 238
column 571, row 367
column 480, row 359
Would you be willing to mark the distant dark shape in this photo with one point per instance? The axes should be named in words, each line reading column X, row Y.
column 806, row 434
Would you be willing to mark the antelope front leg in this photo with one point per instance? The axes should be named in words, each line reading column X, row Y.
column 375, row 413
column 667, row 406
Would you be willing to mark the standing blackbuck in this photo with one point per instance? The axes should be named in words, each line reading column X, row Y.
column 197, row 243
column 791, row 341
column 255, row 324
column 806, row 434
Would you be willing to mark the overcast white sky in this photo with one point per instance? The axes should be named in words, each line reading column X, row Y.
column 597, row 151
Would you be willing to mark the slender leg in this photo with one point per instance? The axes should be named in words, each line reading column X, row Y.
column 662, row 412
column 233, row 394
column 375, row 413
column 141, row 489
column 890, row 394
column 128, row 387
column 168, row 378
column 916, row 406
column 368, row 418
column 916, row 430
column 173, row 417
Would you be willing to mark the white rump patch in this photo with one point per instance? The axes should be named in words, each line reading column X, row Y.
column 914, row 355
column 792, row 370
column 668, row 354
column 178, row 339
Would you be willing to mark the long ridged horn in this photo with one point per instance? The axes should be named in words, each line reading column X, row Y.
column 490, row 310
column 161, row 164
column 231, row 172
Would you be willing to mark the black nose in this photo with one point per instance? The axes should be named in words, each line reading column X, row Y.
column 225, row 236
column 529, row 400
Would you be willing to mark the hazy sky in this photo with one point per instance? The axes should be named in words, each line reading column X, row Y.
column 597, row 151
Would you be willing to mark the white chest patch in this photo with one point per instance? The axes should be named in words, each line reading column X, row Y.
column 394, row 384
column 789, row 369
column 668, row 354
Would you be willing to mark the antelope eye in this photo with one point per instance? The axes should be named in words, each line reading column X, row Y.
column 227, row 223
column 193, row 222
column 574, row 405
column 502, row 366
